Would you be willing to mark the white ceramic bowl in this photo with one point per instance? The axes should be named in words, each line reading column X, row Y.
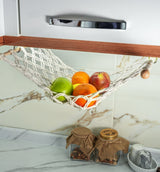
column 139, row 169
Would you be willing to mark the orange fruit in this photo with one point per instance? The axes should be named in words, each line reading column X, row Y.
column 84, row 89
column 80, row 78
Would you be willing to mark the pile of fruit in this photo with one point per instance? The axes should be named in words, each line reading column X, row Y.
column 81, row 84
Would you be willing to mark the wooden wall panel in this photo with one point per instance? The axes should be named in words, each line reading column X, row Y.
column 88, row 46
column 1, row 40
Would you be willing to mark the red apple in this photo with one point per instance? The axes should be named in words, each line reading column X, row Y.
column 100, row 80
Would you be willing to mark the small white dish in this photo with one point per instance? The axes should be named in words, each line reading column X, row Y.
column 139, row 169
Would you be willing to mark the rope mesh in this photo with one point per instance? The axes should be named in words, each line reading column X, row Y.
column 42, row 66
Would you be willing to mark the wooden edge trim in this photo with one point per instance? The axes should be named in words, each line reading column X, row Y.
column 1, row 40
column 88, row 46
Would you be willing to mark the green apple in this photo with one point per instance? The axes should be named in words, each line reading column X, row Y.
column 62, row 85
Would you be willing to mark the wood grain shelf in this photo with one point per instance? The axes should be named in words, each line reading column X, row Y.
column 1, row 40
column 88, row 46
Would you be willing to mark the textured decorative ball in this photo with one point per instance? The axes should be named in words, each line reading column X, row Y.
column 144, row 159
column 145, row 74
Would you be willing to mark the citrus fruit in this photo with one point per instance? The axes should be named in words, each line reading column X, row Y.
column 80, row 78
column 62, row 85
column 75, row 85
column 84, row 89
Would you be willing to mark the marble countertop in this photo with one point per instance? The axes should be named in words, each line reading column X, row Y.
column 30, row 151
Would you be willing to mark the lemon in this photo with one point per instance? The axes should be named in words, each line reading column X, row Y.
column 75, row 85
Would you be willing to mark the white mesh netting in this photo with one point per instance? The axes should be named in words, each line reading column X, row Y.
column 42, row 66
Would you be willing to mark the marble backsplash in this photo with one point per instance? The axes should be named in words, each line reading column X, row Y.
column 133, row 110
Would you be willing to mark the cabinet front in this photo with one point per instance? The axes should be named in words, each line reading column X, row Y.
column 139, row 19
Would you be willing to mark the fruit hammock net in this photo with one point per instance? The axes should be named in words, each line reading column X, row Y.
column 42, row 66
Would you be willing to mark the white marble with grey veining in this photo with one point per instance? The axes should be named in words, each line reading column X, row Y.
column 29, row 151
column 136, row 107
column 133, row 109
column 24, row 105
